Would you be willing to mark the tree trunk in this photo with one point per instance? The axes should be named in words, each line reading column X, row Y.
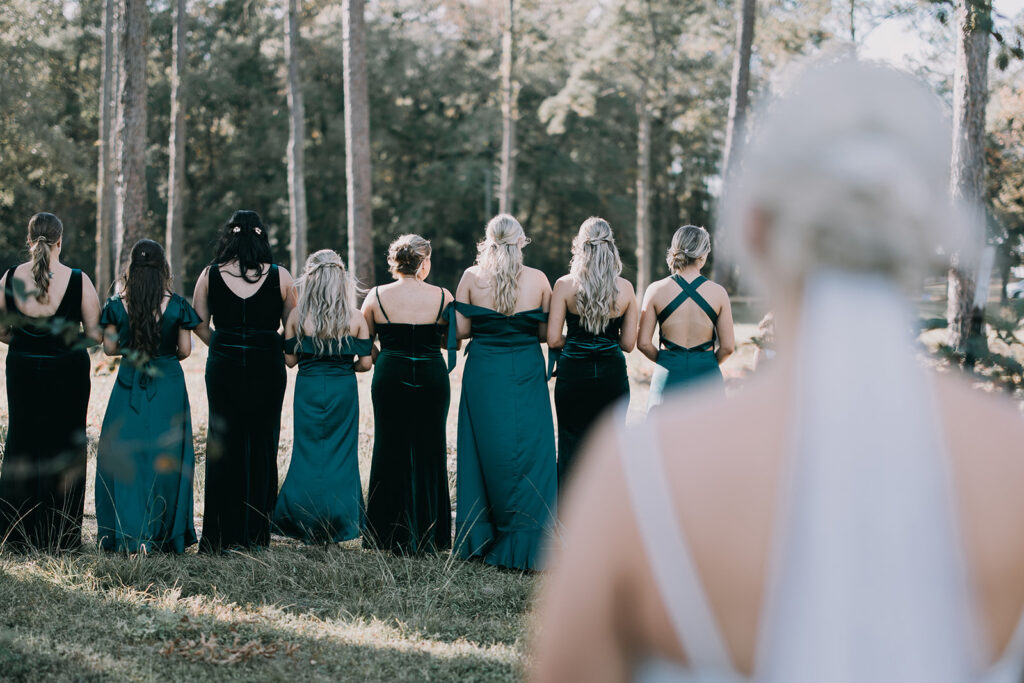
column 853, row 23
column 296, row 137
column 357, row 143
column 130, row 211
column 736, row 127
column 643, row 198
column 105, row 172
column 176, row 164
column 509, row 113
column 967, row 173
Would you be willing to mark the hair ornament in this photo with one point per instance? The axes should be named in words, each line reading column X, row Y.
column 258, row 231
column 237, row 229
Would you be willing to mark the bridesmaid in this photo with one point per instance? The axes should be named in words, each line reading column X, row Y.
column 145, row 458
column 600, row 312
column 246, row 297
column 506, row 481
column 322, row 497
column 408, row 506
column 46, row 306
column 693, row 314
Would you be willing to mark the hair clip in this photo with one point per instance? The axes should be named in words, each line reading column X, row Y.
column 237, row 229
column 258, row 231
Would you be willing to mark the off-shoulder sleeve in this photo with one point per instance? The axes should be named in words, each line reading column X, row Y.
column 188, row 319
column 361, row 347
column 113, row 312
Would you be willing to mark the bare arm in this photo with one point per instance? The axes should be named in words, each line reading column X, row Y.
column 291, row 328
column 361, row 330
column 184, row 343
column 556, row 317
column 627, row 338
column 201, row 302
column 91, row 311
column 463, row 325
column 369, row 306
column 583, row 614
column 726, row 333
column 111, row 341
column 545, row 304
column 648, row 321
column 288, row 295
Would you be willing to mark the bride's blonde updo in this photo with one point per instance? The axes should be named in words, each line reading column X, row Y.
column 848, row 170
column 500, row 258
column 690, row 244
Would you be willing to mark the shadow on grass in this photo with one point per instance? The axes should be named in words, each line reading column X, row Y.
column 295, row 613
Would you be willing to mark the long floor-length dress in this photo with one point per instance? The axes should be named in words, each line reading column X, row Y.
column 42, row 482
column 321, row 500
column 591, row 377
column 506, row 481
column 245, row 384
column 408, row 505
column 684, row 366
column 145, row 459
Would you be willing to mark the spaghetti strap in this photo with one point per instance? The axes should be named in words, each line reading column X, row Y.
column 668, row 555
column 376, row 294
column 440, row 309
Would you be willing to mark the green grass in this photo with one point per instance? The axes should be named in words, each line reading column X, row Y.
column 290, row 612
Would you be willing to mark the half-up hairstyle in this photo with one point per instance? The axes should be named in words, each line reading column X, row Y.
column 595, row 268
column 44, row 231
column 145, row 283
column 689, row 244
column 326, row 299
column 244, row 239
column 500, row 257
column 406, row 254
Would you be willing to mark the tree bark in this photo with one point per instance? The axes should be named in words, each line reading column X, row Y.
column 176, row 164
column 967, row 172
column 509, row 112
column 130, row 208
column 643, row 198
column 736, row 126
column 105, row 172
column 357, row 143
column 296, row 137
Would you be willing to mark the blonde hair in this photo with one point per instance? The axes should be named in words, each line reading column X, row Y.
column 44, row 231
column 849, row 170
column 689, row 244
column 595, row 268
column 326, row 299
column 500, row 257
column 407, row 253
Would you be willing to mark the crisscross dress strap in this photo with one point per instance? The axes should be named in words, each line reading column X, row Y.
column 668, row 555
column 376, row 293
column 689, row 291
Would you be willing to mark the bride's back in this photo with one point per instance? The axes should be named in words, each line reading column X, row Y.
column 848, row 516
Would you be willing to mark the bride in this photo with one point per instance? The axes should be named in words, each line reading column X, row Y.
column 849, row 516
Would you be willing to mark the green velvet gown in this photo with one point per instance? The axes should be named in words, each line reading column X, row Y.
column 321, row 500
column 145, row 458
column 42, row 483
column 681, row 366
column 408, row 508
column 591, row 377
column 506, row 480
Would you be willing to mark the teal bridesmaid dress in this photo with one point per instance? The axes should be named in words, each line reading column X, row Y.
column 145, row 458
column 683, row 366
column 321, row 500
column 506, row 481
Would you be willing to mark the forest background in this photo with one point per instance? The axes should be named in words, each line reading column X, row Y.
column 585, row 75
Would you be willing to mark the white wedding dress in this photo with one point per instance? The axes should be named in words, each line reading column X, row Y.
column 868, row 581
